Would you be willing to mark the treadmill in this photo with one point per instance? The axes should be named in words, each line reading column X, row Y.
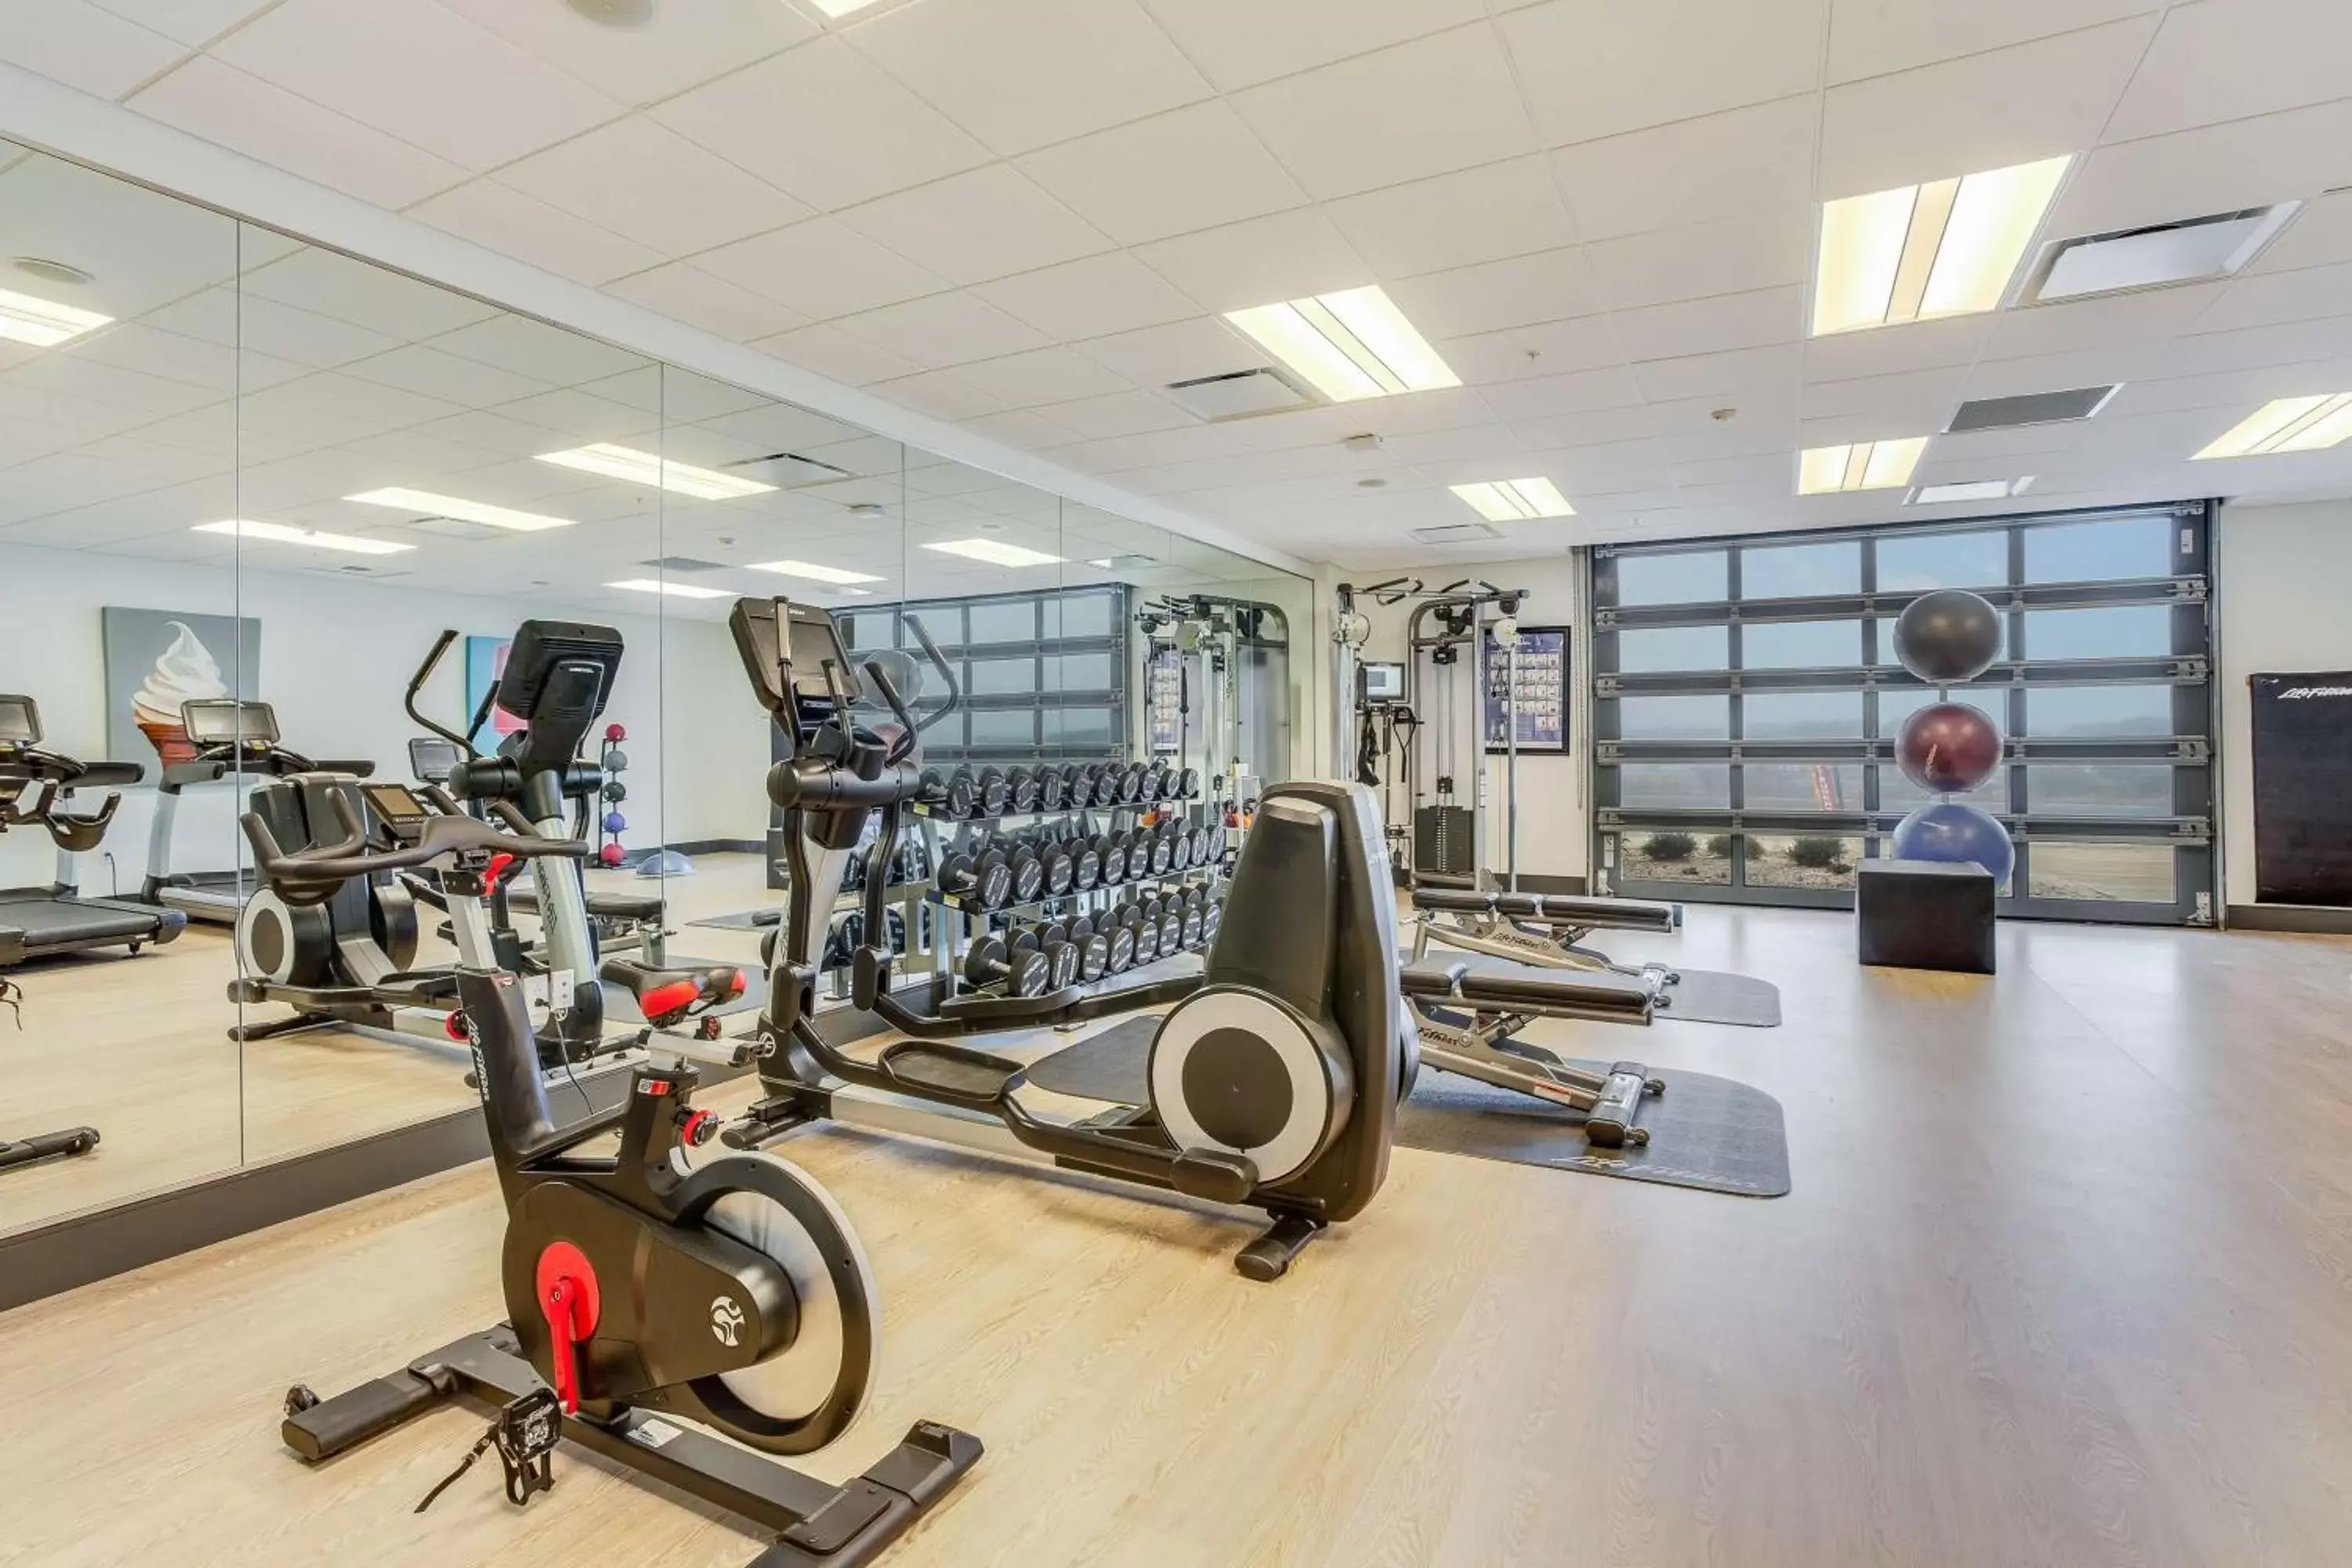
column 232, row 736
column 35, row 785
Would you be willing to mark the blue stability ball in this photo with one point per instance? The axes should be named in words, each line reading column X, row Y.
column 1955, row 831
column 1947, row 637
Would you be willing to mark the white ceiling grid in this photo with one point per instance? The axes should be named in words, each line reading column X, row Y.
column 1026, row 214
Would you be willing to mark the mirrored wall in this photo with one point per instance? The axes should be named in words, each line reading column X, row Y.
column 268, row 512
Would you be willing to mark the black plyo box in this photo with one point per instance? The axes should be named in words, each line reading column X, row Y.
column 1924, row 914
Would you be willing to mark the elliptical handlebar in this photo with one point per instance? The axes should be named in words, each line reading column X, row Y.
column 938, row 662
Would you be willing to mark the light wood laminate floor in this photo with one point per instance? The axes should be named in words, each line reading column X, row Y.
column 2062, row 1283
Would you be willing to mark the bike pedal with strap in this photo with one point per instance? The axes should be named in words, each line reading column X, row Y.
column 525, row 1432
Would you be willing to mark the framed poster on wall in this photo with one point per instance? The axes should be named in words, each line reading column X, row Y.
column 1530, row 684
column 2303, row 788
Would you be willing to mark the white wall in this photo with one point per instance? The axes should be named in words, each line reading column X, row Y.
column 1554, row 833
column 336, row 656
column 2280, row 574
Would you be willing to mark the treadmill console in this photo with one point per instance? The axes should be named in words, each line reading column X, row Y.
column 20, row 723
column 230, row 721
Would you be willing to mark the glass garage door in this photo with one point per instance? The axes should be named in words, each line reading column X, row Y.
column 1745, row 698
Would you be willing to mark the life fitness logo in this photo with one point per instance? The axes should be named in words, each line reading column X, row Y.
column 2303, row 693
column 726, row 1320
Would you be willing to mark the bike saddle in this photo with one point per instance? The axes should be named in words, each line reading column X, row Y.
column 666, row 996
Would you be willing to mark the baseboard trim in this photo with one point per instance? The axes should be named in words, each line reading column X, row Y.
column 2310, row 919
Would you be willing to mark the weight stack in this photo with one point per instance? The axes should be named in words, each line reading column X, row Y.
column 1445, row 841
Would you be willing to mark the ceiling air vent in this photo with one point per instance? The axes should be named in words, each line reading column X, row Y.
column 683, row 563
column 1455, row 533
column 788, row 471
column 2156, row 257
column 1241, row 394
column 2029, row 408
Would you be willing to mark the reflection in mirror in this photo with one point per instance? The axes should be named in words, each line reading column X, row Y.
column 118, row 375
column 422, row 477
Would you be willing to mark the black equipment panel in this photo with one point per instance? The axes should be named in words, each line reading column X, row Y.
column 2303, row 788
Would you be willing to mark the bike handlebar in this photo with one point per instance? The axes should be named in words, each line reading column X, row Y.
column 443, row 834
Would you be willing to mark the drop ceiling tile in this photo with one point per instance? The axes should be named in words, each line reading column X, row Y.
column 2060, row 371
column 1749, row 160
column 190, row 22
column 1242, row 42
column 1514, row 401
column 531, row 348
column 2318, row 236
column 1688, row 430
column 941, row 393
column 1596, row 68
column 822, row 122
column 684, row 292
column 1760, row 250
column 971, row 227
column 1119, row 414
column 1584, row 427
column 1019, row 74
column 1193, row 168
column 821, row 270
column 467, row 384
column 529, row 230
column 1891, row 351
column 2248, row 348
column 1931, row 123
column 1432, row 451
column 2235, row 60
column 1089, row 298
column 2243, row 390
column 675, row 49
column 647, row 183
column 1876, row 37
column 328, row 283
column 1752, row 320
column 2266, row 299
column 1024, row 427
column 82, row 45
column 1777, row 369
column 1504, row 210
column 1546, row 286
column 943, row 329
column 2150, row 316
column 1430, row 107
column 261, row 326
column 1043, row 375
column 247, row 115
column 1611, row 467
column 829, row 351
column 1155, row 356
column 2216, row 168
column 1919, row 399
column 420, row 72
column 1285, row 257
column 330, row 408
column 1519, row 353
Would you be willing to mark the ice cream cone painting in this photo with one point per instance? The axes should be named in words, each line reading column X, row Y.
column 158, row 659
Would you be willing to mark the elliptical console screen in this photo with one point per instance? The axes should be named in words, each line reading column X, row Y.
column 19, row 726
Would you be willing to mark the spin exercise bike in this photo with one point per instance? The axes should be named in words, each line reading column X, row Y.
column 1275, row 1080
column 641, row 1288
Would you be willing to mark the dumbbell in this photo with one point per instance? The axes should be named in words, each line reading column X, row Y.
column 1077, row 786
column 954, row 793
column 994, row 791
column 1171, row 925
column 1212, row 915
column 1194, row 912
column 1120, row 936
column 1171, row 783
column 1181, row 842
column 1062, row 955
column 1021, row 789
column 1028, row 872
column 1130, row 781
column 1093, row 949
column 1164, row 851
column 992, row 961
column 1188, row 784
column 1107, row 780
column 1061, row 866
column 1112, row 855
column 985, row 878
column 1145, row 933
column 1204, row 845
column 1052, row 786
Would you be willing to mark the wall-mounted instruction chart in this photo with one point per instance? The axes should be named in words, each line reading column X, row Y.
column 1529, row 682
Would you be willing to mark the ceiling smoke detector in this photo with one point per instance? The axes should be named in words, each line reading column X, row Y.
column 49, row 271
column 1367, row 442
column 614, row 13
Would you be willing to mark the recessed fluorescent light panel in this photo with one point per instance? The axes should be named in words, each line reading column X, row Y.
column 814, row 573
column 2288, row 425
column 1863, row 466
column 1969, row 489
column 425, row 503
column 1515, row 501
column 1348, row 346
column 646, row 469
column 843, row 8
column 995, row 552
column 280, row 533
column 1945, row 248
column 672, row 590
column 44, row 323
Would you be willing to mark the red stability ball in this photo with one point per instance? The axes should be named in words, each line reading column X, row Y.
column 1948, row 747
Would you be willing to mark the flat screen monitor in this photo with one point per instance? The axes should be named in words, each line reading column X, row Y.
column 20, row 722
column 227, row 720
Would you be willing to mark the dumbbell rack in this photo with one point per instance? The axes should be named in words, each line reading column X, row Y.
column 944, row 833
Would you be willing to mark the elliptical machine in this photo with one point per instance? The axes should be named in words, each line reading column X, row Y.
column 641, row 1287
column 1275, row 1080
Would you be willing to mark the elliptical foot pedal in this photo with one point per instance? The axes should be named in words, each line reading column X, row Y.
column 1270, row 1255
column 951, row 1072
column 1214, row 1174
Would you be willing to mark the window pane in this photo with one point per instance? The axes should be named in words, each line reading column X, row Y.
column 1802, row 862
column 2099, row 789
column 1082, row 727
column 2095, row 551
column 1801, row 715
column 1004, row 727
column 1000, row 677
column 1675, row 784
column 1084, row 616
column 1923, row 561
column 1080, row 672
column 1896, row 793
column 1799, row 645
column 1804, row 786
column 1012, row 622
column 1897, row 703
column 1797, row 571
column 2094, row 710
column 2119, row 631
column 1674, row 718
column 2127, row 873
column 1675, row 857
column 1698, row 577
column 1674, row 648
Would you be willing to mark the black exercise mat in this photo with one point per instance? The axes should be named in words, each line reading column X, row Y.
column 748, row 919
column 1707, row 1132
column 1712, row 996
